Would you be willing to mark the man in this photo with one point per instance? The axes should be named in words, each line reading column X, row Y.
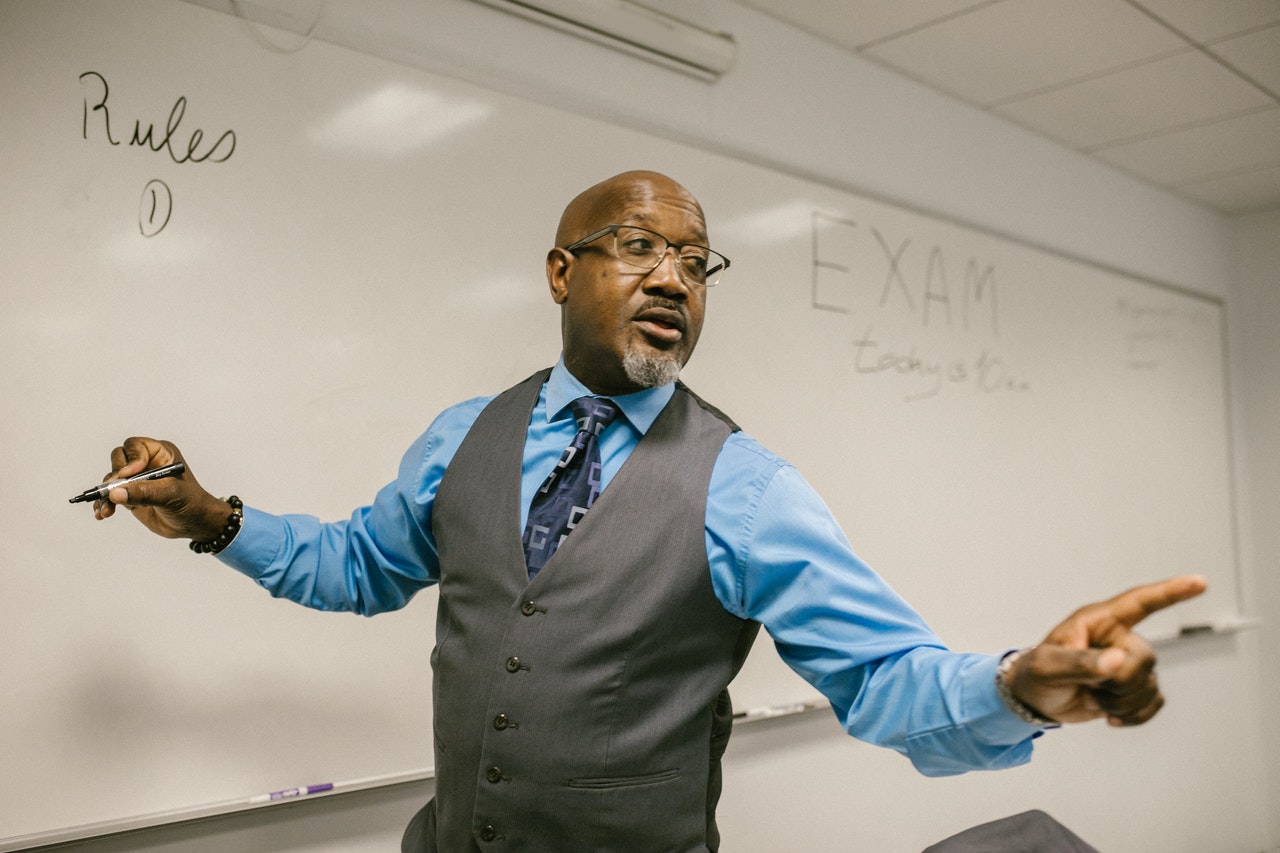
column 580, row 672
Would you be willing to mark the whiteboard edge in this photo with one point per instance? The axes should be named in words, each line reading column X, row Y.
column 189, row 814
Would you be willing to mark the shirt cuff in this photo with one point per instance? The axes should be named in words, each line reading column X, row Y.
column 256, row 545
column 988, row 713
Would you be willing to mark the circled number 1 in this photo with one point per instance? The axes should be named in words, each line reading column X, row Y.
column 155, row 207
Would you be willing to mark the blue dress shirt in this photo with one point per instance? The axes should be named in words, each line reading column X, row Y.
column 776, row 555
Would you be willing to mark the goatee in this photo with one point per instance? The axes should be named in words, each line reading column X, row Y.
column 650, row 369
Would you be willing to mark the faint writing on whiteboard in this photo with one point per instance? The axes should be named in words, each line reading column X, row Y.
column 927, row 318
column 156, row 204
column 1151, row 331
column 986, row 372
column 853, row 274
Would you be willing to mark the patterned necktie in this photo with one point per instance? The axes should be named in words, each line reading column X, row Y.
column 571, row 488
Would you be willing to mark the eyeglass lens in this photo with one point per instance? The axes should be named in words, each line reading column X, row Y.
column 645, row 249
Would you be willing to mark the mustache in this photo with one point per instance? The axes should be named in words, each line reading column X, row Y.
column 664, row 302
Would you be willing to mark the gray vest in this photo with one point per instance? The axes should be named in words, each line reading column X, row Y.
column 587, row 709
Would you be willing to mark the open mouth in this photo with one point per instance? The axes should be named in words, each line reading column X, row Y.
column 663, row 324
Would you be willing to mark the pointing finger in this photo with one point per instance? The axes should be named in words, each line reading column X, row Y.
column 1131, row 607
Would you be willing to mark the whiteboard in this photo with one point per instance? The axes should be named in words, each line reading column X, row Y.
column 288, row 263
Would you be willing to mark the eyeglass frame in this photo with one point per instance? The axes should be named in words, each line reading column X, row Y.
column 613, row 229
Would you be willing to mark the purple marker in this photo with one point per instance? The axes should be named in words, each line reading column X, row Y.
column 289, row 793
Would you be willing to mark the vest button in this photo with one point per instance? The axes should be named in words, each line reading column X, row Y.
column 488, row 833
column 500, row 722
column 494, row 774
column 513, row 664
column 528, row 608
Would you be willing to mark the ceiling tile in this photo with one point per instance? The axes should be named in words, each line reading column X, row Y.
column 1006, row 49
column 1256, row 55
column 1151, row 98
column 854, row 23
column 1247, row 192
column 1205, row 20
column 1113, row 78
column 1231, row 145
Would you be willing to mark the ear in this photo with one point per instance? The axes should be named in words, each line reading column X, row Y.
column 559, row 263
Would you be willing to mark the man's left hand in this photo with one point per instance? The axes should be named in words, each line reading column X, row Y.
column 1093, row 664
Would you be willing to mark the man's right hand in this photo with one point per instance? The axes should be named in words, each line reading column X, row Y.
column 173, row 507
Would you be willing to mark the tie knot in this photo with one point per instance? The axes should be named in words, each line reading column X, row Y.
column 593, row 414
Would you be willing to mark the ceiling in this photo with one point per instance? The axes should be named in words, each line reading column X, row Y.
column 1182, row 93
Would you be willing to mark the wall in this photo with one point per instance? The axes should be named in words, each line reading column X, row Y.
column 1254, row 312
column 799, row 106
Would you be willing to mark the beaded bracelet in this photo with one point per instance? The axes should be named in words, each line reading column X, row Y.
column 228, row 532
column 1013, row 703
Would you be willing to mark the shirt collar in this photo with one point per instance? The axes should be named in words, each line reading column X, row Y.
column 641, row 408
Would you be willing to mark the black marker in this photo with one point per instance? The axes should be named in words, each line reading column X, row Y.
column 99, row 492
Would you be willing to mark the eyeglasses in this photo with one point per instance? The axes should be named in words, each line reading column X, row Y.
column 644, row 250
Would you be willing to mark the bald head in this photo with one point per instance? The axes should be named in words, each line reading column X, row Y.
column 604, row 203
column 626, row 328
